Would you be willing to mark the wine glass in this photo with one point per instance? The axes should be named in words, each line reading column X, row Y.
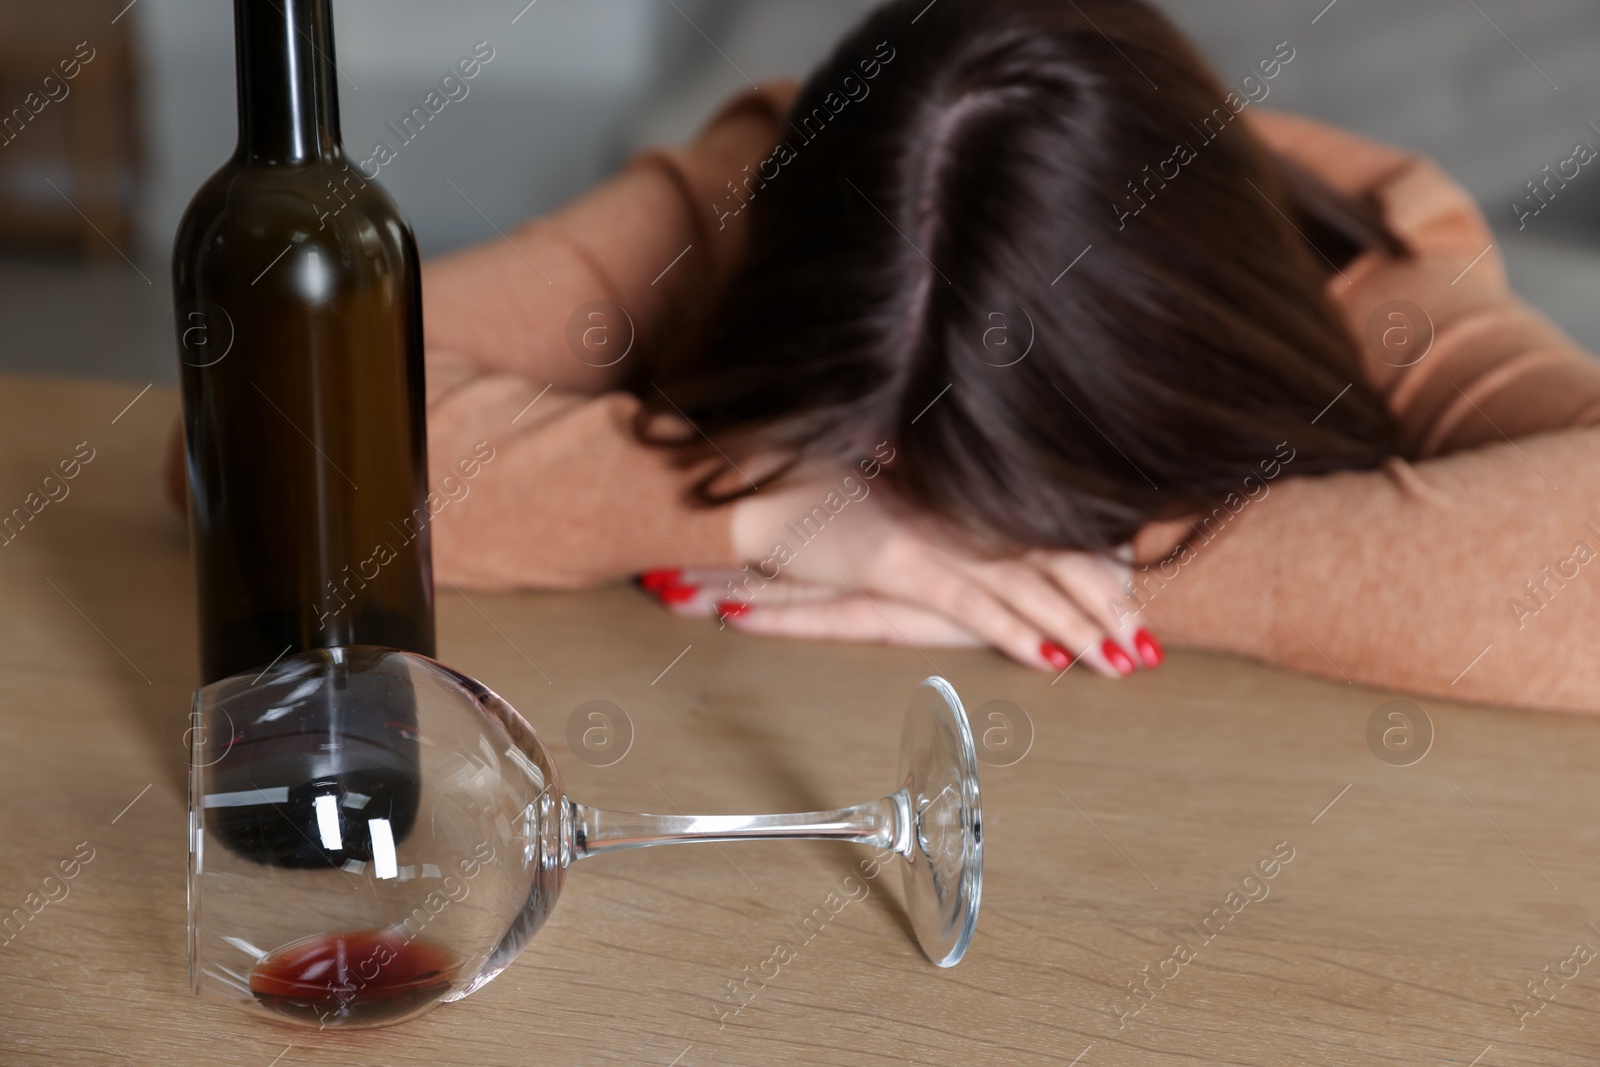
column 372, row 833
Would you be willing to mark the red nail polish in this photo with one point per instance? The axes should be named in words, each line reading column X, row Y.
column 1055, row 655
column 1149, row 648
column 654, row 580
column 677, row 594
column 731, row 609
column 1119, row 659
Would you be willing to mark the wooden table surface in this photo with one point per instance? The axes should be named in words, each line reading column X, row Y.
column 1418, row 904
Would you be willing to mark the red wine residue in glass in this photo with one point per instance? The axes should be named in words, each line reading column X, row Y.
column 353, row 979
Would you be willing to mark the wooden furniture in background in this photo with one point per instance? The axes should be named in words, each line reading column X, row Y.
column 1419, row 903
column 83, row 138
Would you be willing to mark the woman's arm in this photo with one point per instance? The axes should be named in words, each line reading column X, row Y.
column 1460, row 359
column 1462, row 576
column 1468, row 577
column 561, row 495
column 571, row 498
column 649, row 240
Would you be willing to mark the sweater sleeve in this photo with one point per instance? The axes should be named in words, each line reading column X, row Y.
column 1467, row 577
column 1461, row 360
column 549, row 489
column 1460, row 575
column 529, row 338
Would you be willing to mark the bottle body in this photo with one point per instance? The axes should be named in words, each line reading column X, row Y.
column 300, row 339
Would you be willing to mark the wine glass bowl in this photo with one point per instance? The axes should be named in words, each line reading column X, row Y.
column 373, row 833
column 343, row 835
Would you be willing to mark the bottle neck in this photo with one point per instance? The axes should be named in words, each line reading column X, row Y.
column 288, row 102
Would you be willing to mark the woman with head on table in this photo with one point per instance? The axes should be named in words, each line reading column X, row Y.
column 1015, row 325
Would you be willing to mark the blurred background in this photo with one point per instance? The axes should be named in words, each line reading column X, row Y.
column 91, row 187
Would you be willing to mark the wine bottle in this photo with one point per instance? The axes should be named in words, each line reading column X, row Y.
column 299, row 322
column 300, row 340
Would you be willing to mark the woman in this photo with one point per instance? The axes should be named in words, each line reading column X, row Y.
column 1015, row 326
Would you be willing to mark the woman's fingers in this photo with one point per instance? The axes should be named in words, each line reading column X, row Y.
column 1126, row 611
column 721, row 591
column 1099, row 584
column 668, row 586
column 965, row 592
column 854, row 618
column 793, row 608
column 1047, row 610
column 1064, row 626
column 1093, row 583
column 814, row 610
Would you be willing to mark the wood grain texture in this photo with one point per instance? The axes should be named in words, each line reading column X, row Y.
column 1414, row 908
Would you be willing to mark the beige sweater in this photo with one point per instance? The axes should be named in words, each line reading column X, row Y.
column 1463, row 575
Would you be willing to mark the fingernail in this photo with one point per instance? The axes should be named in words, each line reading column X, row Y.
column 677, row 594
column 1055, row 655
column 654, row 580
column 731, row 609
column 1118, row 658
column 1149, row 648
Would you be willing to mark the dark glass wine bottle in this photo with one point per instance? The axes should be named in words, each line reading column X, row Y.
column 299, row 321
column 300, row 326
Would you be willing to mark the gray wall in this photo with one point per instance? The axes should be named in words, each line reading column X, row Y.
column 577, row 83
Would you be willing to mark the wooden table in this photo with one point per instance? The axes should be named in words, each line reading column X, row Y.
column 1418, row 903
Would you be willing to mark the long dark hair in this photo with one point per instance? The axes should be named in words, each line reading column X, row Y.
column 995, row 173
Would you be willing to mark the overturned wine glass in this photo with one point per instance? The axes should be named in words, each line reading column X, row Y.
column 372, row 833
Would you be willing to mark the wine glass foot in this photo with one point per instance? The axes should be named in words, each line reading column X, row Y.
column 939, row 776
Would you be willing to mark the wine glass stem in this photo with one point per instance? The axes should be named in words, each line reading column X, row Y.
column 885, row 823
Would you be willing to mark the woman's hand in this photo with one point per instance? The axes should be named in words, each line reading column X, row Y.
column 827, row 563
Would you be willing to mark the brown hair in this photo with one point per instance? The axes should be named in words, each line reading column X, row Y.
column 988, row 178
